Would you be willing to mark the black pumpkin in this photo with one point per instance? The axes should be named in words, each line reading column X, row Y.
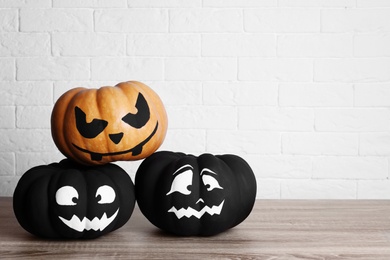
column 190, row 196
column 68, row 200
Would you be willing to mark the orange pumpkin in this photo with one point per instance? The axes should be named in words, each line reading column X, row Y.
column 97, row 126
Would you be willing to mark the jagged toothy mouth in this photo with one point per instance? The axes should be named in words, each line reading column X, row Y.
column 190, row 212
column 86, row 224
column 136, row 150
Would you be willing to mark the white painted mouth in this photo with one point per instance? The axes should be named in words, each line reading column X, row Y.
column 190, row 212
column 86, row 224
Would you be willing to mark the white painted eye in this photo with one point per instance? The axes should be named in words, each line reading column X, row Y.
column 181, row 182
column 106, row 194
column 66, row 196
column 210, row 182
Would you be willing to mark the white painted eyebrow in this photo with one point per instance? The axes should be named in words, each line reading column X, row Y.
column 181, row 168
column 207, row 170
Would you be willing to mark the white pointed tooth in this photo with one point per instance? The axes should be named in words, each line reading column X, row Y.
column 74, row 223
column 91, row 224
column 104, row 222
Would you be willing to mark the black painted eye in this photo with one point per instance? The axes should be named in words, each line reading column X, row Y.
column 142, row 116
column 88, row 130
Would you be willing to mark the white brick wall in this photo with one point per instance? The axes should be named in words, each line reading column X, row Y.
column 299, row 88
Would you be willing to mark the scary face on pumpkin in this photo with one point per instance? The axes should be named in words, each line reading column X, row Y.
column 189, row 195
column 97, row 126
column 66, row 200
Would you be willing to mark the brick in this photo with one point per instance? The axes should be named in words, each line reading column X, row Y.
column 318, row 189
column 23, row 44
column 238, row 142
column 372, row 45
column 7, row 162
column 282, row 20
column 131, row 20
column 240, row 93
column 355, row 20
column 280, row 167
column 349, row 167
column 320, row 144
column 352, row 70
column 275, row 119
column 9, row 20
column 373, row 3
column 7, row 115
column 88, row 44
column 241, row 3
column 372, row 95
column 38, row 140
column 200, row 69
column 317, row 3
column 185, row 140
column 373, row 189
column 26, row 93
column 202, row 117
column 315, row 45
column 178, row 93
column 33, row 117
column 352, row 120
column 25, row 3
column 124, row 69
column 205, row 20
column 162, row 4
column 377, row 144
column 316, row 95
column 250, row 45
column 55, row 19
column 268, row 189
column 52, row 68
column 272, row 69
column 7, row 69
column 164, row 45
column 90, row 3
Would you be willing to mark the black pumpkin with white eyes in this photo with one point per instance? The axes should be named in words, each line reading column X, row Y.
column 68, row 200
column 195, row 196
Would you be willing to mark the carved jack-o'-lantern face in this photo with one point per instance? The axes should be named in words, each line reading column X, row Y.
column 189, row 195
column 97, row 126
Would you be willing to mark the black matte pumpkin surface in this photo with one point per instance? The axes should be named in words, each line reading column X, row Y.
column 68, row 200
column 188, row 195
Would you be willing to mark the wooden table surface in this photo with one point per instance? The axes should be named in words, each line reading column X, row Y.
column 276, row 229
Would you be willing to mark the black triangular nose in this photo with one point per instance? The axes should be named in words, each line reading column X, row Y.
column 116, row 138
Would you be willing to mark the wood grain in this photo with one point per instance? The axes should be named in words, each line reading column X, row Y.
column 276, row 229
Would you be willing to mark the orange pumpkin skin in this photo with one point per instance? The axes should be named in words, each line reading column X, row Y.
column 97, row 126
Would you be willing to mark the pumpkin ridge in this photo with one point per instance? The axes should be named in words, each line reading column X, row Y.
column 42, row 177
column 64, row 129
